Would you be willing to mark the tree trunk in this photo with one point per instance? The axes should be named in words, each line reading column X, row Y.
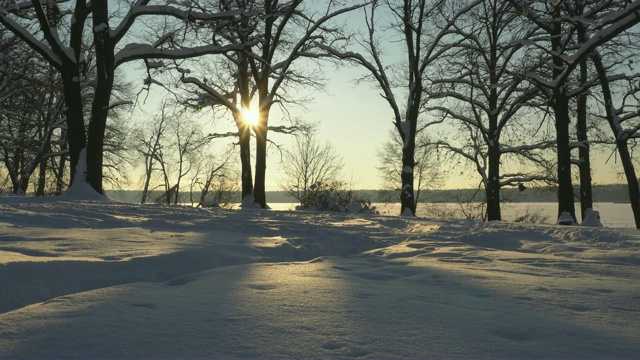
column 621, row 143
column 562, row 121
column 407, row 200
column 105, row 65
column 493, row 185
column 584, row 165
column 245, row 161
column 586, row 194
column 565, row 187
column 12, row 164
column 260, row 130
column 408, row 135
column 42, row 177
column 244, row 128
column 62, row 165
column 76, row 135
column 23, row 183
column 148, row 169
column 632, row 180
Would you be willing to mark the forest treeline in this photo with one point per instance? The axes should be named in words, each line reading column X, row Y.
column 602, row 193
column 519, row 92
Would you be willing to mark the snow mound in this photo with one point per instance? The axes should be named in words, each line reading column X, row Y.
column 81, row 190
column 106, row 279
column 565, row 219
column 249, row 203
column 591, row 219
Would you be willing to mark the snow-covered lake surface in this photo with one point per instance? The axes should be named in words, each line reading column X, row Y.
column 611, row 214
column 100, row 279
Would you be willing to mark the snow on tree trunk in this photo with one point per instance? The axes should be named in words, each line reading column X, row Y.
column 80, row 188
column 591, row 218
column 407, row 199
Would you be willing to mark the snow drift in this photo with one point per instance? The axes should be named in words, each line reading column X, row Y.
column 106, row 279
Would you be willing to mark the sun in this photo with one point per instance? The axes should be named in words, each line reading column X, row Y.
column 250, row 116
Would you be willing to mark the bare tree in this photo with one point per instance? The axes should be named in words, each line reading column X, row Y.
column 482, row 88
column 265, row 73
column 170, row 145
column 423, row 44
column 290, row 32
column 30, row 112
column 427, row 172
column 215, row 181
column 310, row 166
column 603, row 20
column 624, row 121
column 51, row 16
column 148, row 143
column 188, row 141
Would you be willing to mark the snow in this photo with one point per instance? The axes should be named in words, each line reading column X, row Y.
column 100, row 27
column 407, row 213
column 154, row 64
column 249, row 203
column 565, row 219
column 527, row 42
column 591, row 218
column 86, row 278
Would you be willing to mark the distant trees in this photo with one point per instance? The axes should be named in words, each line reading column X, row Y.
column 310, row 167
column 30, row 113
column 214, row 181
column 176, row 155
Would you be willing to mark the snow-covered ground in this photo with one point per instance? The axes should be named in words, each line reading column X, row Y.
column 95, row 278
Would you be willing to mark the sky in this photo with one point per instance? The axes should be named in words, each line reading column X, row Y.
column 356, row 121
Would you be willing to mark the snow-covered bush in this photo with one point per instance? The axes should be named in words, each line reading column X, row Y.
column 333, row 197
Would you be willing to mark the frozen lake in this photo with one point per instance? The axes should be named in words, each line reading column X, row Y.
column 617, row 215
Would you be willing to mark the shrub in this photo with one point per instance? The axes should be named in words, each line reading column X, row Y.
column 333, row 197
column 534, row 217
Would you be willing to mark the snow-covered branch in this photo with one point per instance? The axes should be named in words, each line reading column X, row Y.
column 522, row 148
column 26, row 36
column 145, row 51
column 517, row 179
